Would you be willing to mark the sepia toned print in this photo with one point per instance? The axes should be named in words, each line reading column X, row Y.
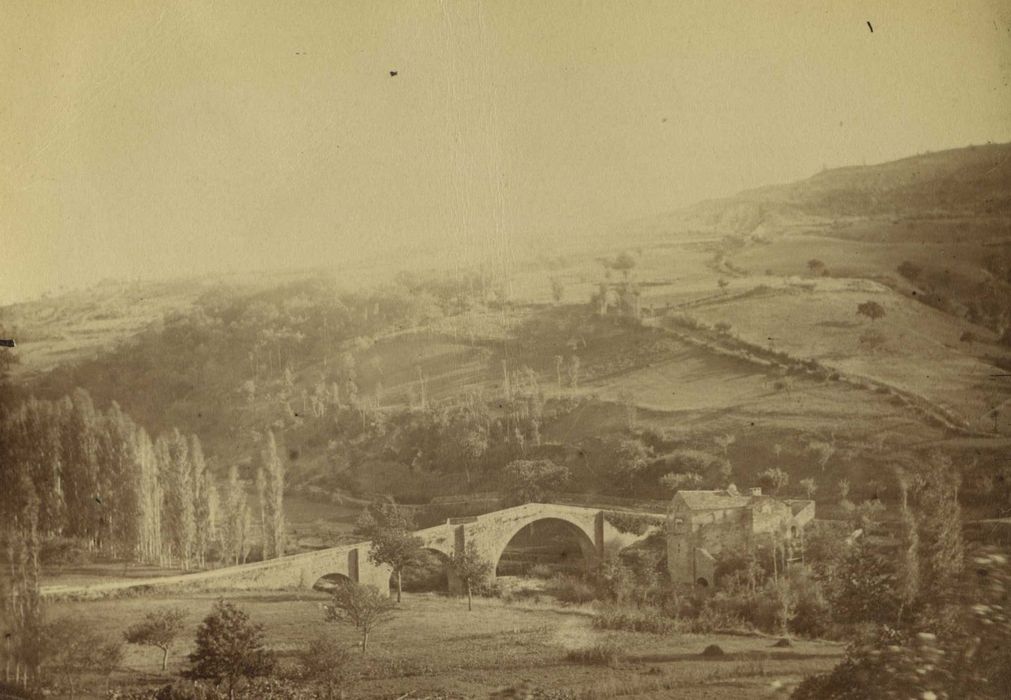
column 505, row 349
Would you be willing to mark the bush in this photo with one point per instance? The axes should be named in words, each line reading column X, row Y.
column 713, row 650
column 64, row 551
column 256, row 689
column 394, row 667
column 571, row 589
column 541, row 571
column 633, row 523
column 649, row 620
column 600, row 654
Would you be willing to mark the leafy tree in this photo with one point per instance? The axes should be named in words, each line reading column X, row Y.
column 325, row 661
column 529, row 479
column 865, row 586
column 573, row 371
column 715, row 470
column 383, row 516
column 823, row 450
column 631, row 459
column 724, row 442
column 72, row 649
column 398, row 548
column 159, row 628
column 557, row 290
column 364, row 607
column 809, row 487
column 773, row 480
column 843, row 489
column 624, row 263
column 907, row 575
column 229, row 648
column 471, row 568
column 911, row 271
column 817, row 267
column 940, row 527
column 871, row 309
column 675, row 482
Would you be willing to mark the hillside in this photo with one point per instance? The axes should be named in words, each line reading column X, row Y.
column 753, row 351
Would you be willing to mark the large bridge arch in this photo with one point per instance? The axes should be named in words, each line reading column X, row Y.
column 578, row 532
column 491, row 534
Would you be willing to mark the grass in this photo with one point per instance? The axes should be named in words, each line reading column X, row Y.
column 433, row 646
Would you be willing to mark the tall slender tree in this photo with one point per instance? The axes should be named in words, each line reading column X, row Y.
column 178, row 521
column 270, row 485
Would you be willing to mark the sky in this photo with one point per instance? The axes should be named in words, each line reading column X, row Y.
column 146, row 139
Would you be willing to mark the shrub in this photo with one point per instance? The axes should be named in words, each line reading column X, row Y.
column 570, row 589
column 541, row 571
column 649, row 620
column 64, row 551
column 633, row 523
column 394, row 667
column 325, row 661
column 600, row 654
column 713, row 650
column 229, row 648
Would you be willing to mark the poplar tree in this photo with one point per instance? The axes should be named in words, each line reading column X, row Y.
column 270, row 488
column 234, row 516
column 202, row 487
column 178, row 522
column 149, row 512
column 79, row 455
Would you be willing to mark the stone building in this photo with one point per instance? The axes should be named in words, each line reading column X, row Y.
column 701, row 524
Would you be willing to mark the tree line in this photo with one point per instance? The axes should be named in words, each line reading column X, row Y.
column 74, row 472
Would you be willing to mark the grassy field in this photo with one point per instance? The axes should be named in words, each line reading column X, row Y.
column 434, row 648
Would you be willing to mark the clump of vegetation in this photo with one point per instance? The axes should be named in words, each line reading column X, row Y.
column 572, row 589
column 634, row 619
column 871, row 309
column 229, row 648
column 600, row 654
column 529, row 480
column 633, row 523
column 325, row 662
column 713, row 650
column 70, row 651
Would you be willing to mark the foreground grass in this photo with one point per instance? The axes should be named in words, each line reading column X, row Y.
column 434, row 648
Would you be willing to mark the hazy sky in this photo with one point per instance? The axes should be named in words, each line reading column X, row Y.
column 152, row 138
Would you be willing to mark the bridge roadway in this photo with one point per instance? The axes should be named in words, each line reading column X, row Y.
column 490, row 533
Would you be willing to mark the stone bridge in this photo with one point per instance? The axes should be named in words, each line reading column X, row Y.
column 490, row 534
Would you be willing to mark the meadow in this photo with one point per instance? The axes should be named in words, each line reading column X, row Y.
column 434, row 648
